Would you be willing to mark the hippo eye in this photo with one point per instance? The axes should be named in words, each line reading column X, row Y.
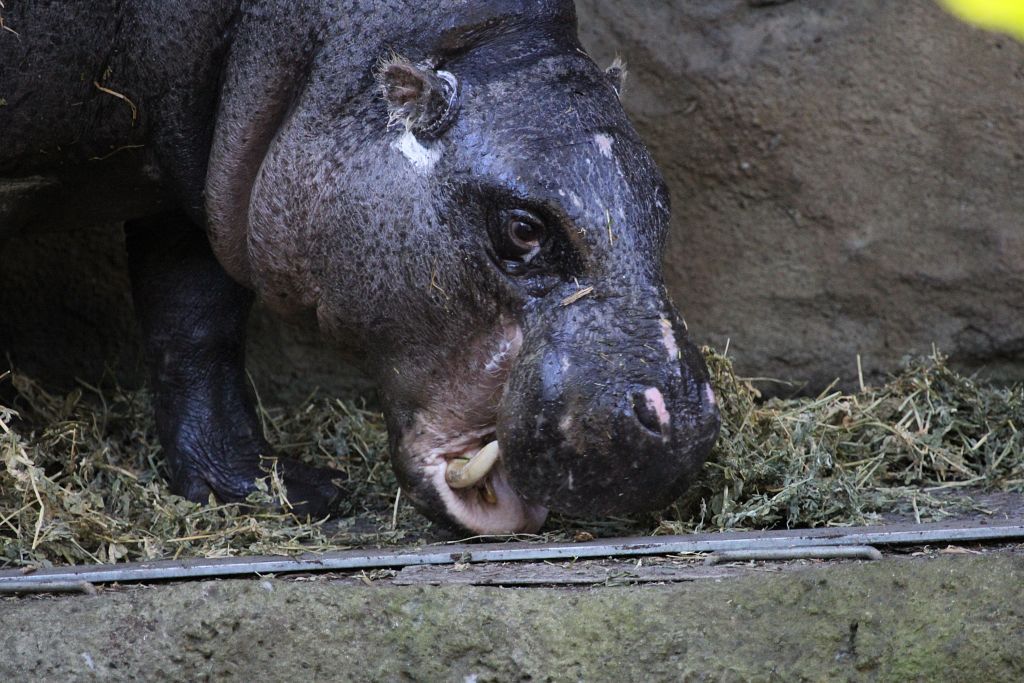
column 525, row 233
column 521, row 237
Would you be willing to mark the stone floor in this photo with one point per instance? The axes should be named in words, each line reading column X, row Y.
column 951, row 613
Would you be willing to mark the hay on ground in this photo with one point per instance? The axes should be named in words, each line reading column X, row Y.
column 81, row 479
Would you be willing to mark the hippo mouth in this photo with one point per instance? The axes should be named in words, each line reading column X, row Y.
column 449, row 462
column 564, row 412
column 476, row 495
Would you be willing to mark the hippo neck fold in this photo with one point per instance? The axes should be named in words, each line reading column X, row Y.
column 263, row 73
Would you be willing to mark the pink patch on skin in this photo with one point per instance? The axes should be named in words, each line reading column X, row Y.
column 668, row 338
column 656, row 402
column 709, row 394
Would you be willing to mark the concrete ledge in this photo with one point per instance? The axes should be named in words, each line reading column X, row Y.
column 951, row 617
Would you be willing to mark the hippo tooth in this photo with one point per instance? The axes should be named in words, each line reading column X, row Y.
column 463, row 473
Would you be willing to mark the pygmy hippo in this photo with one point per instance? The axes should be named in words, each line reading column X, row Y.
column 451, row 190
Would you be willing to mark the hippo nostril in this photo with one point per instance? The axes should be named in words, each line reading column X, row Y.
column 651, row 412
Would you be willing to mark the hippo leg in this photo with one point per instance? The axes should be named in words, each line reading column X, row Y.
column 193, row 321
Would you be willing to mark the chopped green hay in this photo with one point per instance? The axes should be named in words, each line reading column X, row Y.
column 81, row 479
column 841, row 459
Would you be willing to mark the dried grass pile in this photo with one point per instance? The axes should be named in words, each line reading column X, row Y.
column 841, row 458
column 80, row 479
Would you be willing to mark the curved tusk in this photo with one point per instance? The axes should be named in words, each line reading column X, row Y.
column 462, row 473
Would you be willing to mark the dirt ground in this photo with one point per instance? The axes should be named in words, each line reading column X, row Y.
column 922, row 614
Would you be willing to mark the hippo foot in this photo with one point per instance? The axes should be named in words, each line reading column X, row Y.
column 193, row 319
column 309, row 491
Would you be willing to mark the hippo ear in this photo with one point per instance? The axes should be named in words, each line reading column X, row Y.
column 424, row 99
column 616, row 75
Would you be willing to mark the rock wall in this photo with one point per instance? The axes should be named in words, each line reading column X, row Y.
column 846, row 179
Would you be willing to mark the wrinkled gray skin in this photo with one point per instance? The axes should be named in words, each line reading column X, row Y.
column 373, row 165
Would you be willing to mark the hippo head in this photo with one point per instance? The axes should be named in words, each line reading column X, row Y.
column 468, row 207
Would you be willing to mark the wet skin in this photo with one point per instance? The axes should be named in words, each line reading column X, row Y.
column 453, row 194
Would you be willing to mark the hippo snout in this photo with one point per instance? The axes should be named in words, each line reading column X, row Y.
column 602, row 418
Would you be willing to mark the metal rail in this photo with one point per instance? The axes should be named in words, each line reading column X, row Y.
column 919, row 534
column 808, row 552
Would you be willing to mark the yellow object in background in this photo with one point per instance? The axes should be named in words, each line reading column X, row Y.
column 999, row 15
